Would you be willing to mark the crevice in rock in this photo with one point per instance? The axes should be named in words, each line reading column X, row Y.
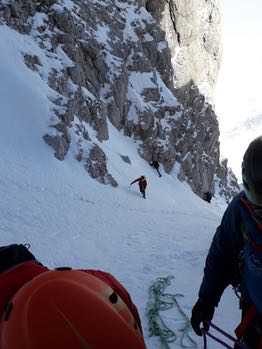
column 172, row 10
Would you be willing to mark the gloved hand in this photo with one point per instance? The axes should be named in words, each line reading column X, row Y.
column 202, row 313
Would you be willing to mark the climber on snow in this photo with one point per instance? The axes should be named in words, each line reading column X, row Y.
column 235, row 256
column 142, row 185
column 155, row 164
column 63, row 308
column 207, row 196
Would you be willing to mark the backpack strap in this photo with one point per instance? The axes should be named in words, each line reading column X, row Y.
column 243, row 231
column 251, row 313
column 246, row 322
column 247, row 238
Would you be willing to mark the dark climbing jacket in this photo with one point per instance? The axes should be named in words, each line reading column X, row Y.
column 207, row 196
column 226, row 257
column 141, row 182
column 155, row 164
column 222, row 263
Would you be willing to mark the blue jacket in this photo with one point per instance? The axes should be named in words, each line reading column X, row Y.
column 222, row 263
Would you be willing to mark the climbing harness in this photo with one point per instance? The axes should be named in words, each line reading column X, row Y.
column 236, row 345
column 160, row 301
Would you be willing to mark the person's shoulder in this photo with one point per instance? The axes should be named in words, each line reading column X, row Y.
column 237, row 198
column 235, row 204
column 230, row 223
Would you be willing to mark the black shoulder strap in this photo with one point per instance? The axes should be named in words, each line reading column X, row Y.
column 244, row 231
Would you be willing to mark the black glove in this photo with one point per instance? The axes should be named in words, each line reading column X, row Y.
column 12, row 255
column 202, row 313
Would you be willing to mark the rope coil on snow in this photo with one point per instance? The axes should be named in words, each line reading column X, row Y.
column 160, row 301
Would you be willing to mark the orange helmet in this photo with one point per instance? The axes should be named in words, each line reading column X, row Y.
column 68, row 309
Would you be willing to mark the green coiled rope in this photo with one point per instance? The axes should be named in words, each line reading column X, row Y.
column 160, row 301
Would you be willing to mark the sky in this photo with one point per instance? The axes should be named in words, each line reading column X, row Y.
column 238, row 92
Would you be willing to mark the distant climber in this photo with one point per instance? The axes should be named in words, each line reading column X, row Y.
column 207, row 196
column 63, row 308
column 142, row 185
column 235, row 256
column 155, row 164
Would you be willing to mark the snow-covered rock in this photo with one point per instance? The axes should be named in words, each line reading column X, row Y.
column 226, row 184
column 116, row 62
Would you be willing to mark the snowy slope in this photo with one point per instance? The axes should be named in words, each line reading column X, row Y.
column 70, row 219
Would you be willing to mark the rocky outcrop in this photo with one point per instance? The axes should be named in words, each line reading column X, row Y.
column 198, row 144
column 140, row 66
column 60, row 142
column 97, row 168
column 225, row 181
column 193, row 32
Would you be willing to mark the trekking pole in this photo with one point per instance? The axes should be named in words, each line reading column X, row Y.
column 237, row 344
column 227, row 335
column 224, row 344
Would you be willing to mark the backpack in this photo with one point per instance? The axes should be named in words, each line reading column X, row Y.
column 12, row 255
column 252, row 257
column 251, row 268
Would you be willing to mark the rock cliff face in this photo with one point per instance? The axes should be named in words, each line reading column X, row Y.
column 192, row 30
column 139, row 65
column 193, row 33
column 225, row 181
